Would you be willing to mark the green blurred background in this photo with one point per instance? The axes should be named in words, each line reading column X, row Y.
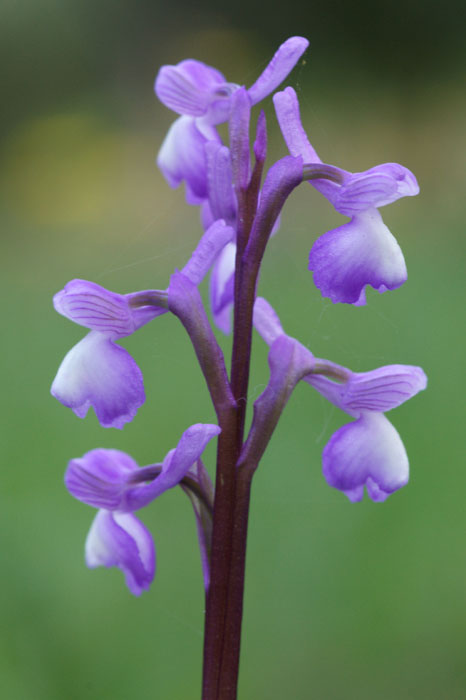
column 342, row 601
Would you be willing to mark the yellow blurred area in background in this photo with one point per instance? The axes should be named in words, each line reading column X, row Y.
column 66, row 169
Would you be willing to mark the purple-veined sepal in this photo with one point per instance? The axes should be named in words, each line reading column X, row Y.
column 94, row 307
column 374, row 188
column 101, row 477
column 190, row 87
column 379, row 390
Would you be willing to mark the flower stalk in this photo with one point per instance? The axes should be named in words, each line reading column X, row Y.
column 240, row 211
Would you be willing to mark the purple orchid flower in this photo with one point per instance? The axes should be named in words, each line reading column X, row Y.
column 112, row 481
column 195, row 89
column 203, row 98
column 99, row 373
column 363, row 251
column 368, row 452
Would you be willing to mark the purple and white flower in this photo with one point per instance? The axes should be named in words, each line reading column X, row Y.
column 96, row 372
column 204, row 99
column 112, row 481
column 368, row 452
column 198, row 90
column 99, row 373
column 363, row 251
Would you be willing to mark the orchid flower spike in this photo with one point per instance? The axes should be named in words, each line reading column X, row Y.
column 112, row 481
column 367, row 452
column 362, row 251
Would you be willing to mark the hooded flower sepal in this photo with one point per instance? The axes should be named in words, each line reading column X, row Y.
column 198, row 90
column 121, row 540
column 203, row 98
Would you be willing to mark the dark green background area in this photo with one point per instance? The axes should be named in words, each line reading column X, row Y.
column 346, row 601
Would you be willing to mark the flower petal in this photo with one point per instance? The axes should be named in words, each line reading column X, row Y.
column 182, row 157
column 120, row 539
column 186, row 87
column 219, row 182
column 99, row 477
column 289, row 118
column 360, row 252
column 239, row 137
column 175, row 465
column 366, row 452
column 98, row 373
column 376, row 187
column 381, row 389
column 282, row 63
column 266, row 321
column 373, row 188
column 212, row 242
column 95, row 307
column 222, row 283
column 260, row 142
